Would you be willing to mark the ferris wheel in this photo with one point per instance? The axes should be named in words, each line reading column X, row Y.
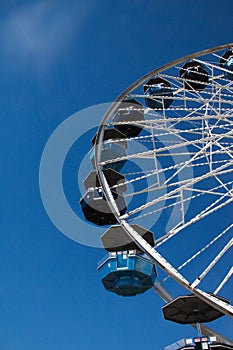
column 163, row 181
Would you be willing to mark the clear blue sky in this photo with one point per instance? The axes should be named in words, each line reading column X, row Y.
column 57, row 58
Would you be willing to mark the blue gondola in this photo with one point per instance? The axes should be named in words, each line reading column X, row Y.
column 226, row 62
column 127, row 273
column 131, row 114
column 194, row 75
column 157, row 91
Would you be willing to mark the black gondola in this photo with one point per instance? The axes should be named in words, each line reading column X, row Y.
column 226, row 62
column 158, row 93
column 97, row 210
column 129, row 118
column 194, row 75
column 114, row 146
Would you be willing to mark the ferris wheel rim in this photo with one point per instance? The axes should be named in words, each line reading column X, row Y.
column 212, row 300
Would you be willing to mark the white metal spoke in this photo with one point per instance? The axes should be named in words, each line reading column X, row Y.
column 227, row 277
column 187, row 184
column 211, row 265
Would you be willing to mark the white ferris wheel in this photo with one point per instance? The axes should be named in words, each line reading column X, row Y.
column 163, row 159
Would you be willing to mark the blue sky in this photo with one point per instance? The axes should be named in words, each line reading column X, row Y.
column 57, row 58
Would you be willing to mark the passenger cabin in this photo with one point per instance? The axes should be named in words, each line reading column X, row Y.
column 194, row 76
column 126, row 271
column 158, row 93
column 116, row 239
column 200, row 343
column 115, row 180
column 129, row 118
column 94, row 204
column 114, row 146
column 96, row 209
column 226, row 62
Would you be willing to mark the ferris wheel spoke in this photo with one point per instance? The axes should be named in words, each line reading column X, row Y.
column 187, row 184
column 210, row 210
column 182, row 202
column 226, row 149
column 202, row 250
column 212, row 264
column 211, row 65
column 227, row 277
